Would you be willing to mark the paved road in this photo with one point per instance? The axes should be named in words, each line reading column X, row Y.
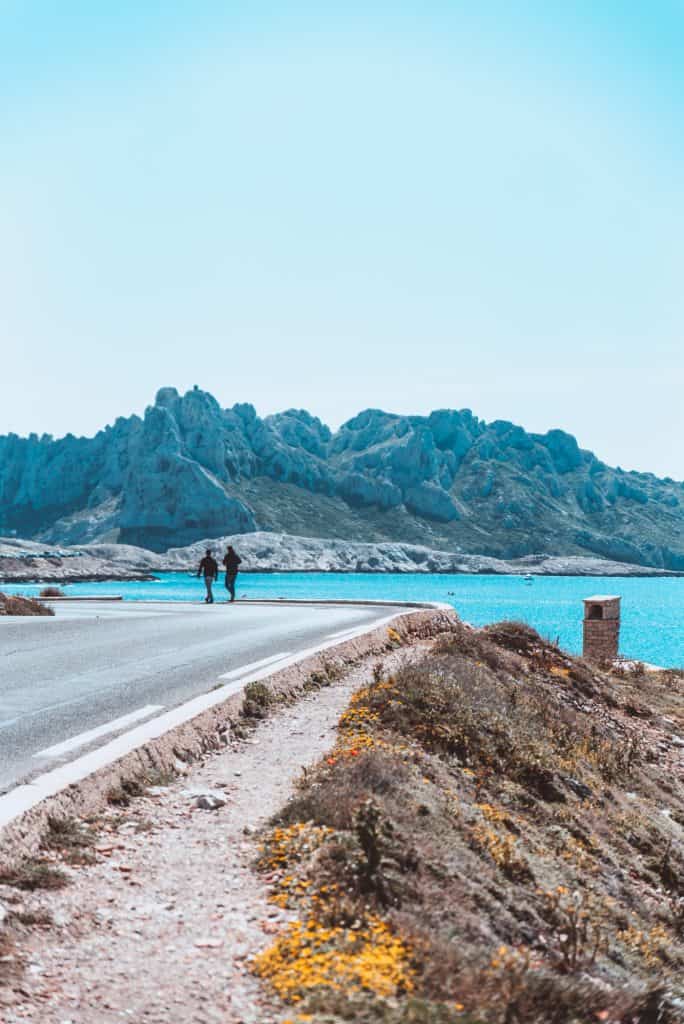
column 95, row 663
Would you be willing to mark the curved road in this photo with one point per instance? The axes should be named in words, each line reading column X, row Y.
column 72, row 682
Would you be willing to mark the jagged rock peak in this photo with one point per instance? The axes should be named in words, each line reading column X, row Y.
column 190, row 469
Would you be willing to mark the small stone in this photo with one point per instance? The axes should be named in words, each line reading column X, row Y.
column 209, row 802
column 205, row 797
column 578, row 788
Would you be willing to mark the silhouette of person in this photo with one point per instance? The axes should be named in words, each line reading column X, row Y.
column 208, row 568
column 231, row 561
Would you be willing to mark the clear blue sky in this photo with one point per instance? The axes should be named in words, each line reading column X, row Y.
column 335, row 206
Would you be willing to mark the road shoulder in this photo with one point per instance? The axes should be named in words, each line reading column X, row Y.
column 160, row 925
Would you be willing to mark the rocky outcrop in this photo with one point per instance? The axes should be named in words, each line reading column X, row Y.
column 191, row 469
column 170, row 495
column 279, row 552
column 28, row 561
column 24, row 561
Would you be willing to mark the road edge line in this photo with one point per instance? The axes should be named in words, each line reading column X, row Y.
column 194, row 728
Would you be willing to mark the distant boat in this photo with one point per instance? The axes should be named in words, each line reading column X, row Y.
column 528, row 578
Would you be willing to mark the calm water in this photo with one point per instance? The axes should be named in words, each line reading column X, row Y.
column 652, row 609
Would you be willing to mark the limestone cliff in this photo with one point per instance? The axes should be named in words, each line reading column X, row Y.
column 191, row 469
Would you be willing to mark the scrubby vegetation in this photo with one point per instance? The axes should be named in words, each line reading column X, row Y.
column 52, row 592
column 496, row 838
column 258, row 698
column 33, row 873
column 14, row 604
column 70, row 839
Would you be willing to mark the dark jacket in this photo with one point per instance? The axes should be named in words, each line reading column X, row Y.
column 231, row 562
column 208, row 567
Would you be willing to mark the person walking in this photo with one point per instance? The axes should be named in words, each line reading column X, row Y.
column 208, row 568
column 231, row 561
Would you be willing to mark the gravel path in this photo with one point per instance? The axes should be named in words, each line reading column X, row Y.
column 159, row 929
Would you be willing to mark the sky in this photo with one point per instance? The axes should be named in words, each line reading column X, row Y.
column 405, row 206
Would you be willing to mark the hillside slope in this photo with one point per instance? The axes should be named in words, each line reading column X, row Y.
column 190, row 469
column 495, row 838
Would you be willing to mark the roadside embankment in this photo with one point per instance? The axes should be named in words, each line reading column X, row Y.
column 496, row 836
column 428, row 824
column 200, row 729
column 134, row 894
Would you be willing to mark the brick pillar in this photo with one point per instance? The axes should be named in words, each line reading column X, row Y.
column 601, row 628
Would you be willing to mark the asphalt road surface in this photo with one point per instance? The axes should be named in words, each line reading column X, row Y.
column 73, row 682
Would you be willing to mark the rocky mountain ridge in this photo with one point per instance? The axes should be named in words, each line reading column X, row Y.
column 190, row 469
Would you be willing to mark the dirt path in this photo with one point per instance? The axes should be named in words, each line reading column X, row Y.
column 159, row 929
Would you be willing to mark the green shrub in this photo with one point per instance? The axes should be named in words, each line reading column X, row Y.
column 258, row 697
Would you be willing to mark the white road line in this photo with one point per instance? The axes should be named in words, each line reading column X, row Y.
column 243, row 670
column 22, row 798
column 347, row 634
column 87, row 737
column 341, row 633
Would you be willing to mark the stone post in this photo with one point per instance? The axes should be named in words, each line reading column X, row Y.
column 601, row 628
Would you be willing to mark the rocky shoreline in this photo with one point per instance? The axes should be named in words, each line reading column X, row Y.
column 24, row 561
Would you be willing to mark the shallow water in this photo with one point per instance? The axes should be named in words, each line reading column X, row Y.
column 652, row 609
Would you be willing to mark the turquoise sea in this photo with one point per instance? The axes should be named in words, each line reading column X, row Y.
column 652, row 609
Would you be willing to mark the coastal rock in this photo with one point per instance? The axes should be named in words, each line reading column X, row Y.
column 279, row 552
column 167, row 495
column 190, row 469
column 27, row 561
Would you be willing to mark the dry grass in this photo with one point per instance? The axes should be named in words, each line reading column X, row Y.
column 14, row 604
column 70, row 839
column 33, row 873
column 33, row 918
column 10, row 962
column 500, row 807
